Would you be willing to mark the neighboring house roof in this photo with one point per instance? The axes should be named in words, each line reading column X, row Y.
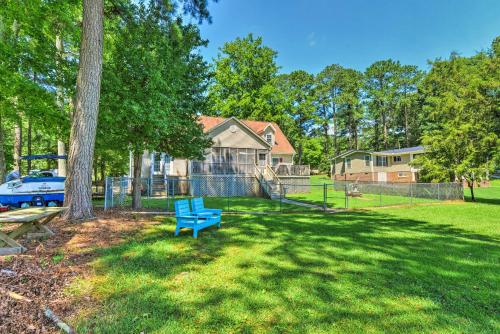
column 347, row 153
column 403, row 150
column 397, row 151
column 281, row 143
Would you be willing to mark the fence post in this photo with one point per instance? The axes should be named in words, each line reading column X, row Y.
column 111, row 189
column 324, row 196
column 106, row 193
column 346, row 198
column 227, row 195
column 411, row 193
column 281, row 199
column 438, row 192
column 149, row 186
column 380, row 196
column 167, row 194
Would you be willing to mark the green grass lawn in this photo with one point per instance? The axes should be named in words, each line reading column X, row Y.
column 336, row 199
column 232, row 204
column 422, row 269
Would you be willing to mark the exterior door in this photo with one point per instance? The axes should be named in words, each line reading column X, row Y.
column 157, row 164
column 382, row 177
column 262, row 159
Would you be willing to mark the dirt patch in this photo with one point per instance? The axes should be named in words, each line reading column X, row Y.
column 43, row 272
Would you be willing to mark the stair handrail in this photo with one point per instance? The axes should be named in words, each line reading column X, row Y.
column 265, row 185
column 274, row 177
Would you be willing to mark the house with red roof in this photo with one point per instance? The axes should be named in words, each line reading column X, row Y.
column 241, row 147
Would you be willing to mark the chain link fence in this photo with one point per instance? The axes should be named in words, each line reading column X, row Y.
column 247, row 194
column 231, row 193
column 353, row 195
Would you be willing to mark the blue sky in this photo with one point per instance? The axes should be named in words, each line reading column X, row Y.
column 311, row 34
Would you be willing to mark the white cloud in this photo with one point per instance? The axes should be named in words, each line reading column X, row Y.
column 311, row 39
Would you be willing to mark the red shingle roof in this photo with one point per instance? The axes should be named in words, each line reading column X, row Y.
column 281, row 145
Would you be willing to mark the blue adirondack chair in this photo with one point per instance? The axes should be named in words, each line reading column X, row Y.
column 199, row 209
column 186, row 219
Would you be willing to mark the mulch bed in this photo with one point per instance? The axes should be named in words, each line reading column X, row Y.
column 43, row 272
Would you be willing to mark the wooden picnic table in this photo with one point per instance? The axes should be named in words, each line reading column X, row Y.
column 32, row 222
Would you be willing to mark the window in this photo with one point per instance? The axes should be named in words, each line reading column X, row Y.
column 269, row 138
column 397, row 158
column 276, row 161
column 348, row 162
column 262, row 156
column 381, row 161
column 402, row 174
column 368, row 159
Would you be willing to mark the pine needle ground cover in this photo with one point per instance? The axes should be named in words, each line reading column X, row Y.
column 433, row 269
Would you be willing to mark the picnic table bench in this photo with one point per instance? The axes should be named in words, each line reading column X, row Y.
column 32, row 222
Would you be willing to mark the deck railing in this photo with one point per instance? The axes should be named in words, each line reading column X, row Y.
column 292, row 170
column 221, row 168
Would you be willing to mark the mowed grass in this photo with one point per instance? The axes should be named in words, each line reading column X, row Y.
column 337, row 199
column 433, row 269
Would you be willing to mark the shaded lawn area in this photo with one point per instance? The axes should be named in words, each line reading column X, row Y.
column 412, row 270
column 233, row 204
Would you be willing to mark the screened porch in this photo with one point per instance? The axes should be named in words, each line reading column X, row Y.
column 227, row 160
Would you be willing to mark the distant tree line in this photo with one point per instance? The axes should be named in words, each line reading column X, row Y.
column 453, row 109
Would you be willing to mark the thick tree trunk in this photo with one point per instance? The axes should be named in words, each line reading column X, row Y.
column 136, row 182
column 78, row 195
column 18, row 144
column 61, row 147
column 61, row 163
column 3, row 167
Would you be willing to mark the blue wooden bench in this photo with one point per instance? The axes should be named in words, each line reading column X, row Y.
column 187, row 219
column 199, row 208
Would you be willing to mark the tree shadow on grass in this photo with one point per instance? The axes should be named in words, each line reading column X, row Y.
column 485, row 195
column 349, row 272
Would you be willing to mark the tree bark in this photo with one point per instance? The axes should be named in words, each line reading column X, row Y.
column 326, row 148
column 2, row 152
column 136, row 182
column 384, row 127
column 18, row 144
column 471, row 187
column 78, row 194
column 61, row 163
column 61, row 147
column 407, row 129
